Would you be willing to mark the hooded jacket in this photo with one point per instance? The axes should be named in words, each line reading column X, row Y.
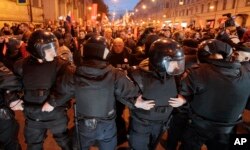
column 96, row 85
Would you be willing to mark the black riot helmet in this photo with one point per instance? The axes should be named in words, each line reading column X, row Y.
column 149, row 40
column 166, row 55
column 96, row 48
column 39, row 42
column 213, row 47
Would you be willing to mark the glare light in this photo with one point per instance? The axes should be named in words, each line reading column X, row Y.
column 184, row 24
column 181, row 2
column 144, row 6
column 211, row 7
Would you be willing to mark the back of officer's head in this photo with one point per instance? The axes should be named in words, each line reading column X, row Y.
column 166, row 55
column 214, row 50
column 95, row 48
column 149, row 40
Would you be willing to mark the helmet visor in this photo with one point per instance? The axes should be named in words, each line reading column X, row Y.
column 49, row 51
column 174, row 67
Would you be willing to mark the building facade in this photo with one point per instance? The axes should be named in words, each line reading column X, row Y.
column 12, row 12
column 150, row 11
column 200, row 13
column 40, row 11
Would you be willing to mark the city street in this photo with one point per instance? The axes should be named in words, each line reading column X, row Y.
column 50, row 143
column 187, row 61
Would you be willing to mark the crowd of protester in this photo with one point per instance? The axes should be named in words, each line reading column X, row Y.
column 130, row 50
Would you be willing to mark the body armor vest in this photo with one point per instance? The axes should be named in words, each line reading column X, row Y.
column 155, row 89
column 220, row 98
column 93, row 93
column 38, row 78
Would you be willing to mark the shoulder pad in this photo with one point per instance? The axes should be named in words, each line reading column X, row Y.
column 190, row 69
column 246, row 66
column 18, row 66
column 4, row 69
column 132, row 68
column 117, row 70
column 195, row 66
column 60, row 60
column 135, row 74
column 61, row 64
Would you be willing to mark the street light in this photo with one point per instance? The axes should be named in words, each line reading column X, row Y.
column 144, row 7
column 181, row 2
column 89, row 8
column 211, row 7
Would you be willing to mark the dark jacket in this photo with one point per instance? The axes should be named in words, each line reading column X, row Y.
column 217, row 92
column 156, row 87
column 96, row 85
column 9, row 84
column 40, row 81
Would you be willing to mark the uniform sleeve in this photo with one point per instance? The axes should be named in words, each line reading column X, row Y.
column 64, row 87
column 187, row 86
column 125, row 89
column 248, row 104
column 9, row 83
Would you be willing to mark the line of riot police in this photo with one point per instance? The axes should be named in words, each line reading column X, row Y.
column 214, row 92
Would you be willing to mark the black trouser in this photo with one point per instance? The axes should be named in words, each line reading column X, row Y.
column 194, row 137
column 8, row 134
column 35, row 132
column 120, row 123
column 103, row 131
column 143, row 134
column 178, row 124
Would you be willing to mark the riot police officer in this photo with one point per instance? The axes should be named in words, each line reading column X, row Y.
column 217, row 91
column 9, row 126
column 156, row 81
column 96, row 85
column 40, row 72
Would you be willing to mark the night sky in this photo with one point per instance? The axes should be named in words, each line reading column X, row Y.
column 120, row 6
